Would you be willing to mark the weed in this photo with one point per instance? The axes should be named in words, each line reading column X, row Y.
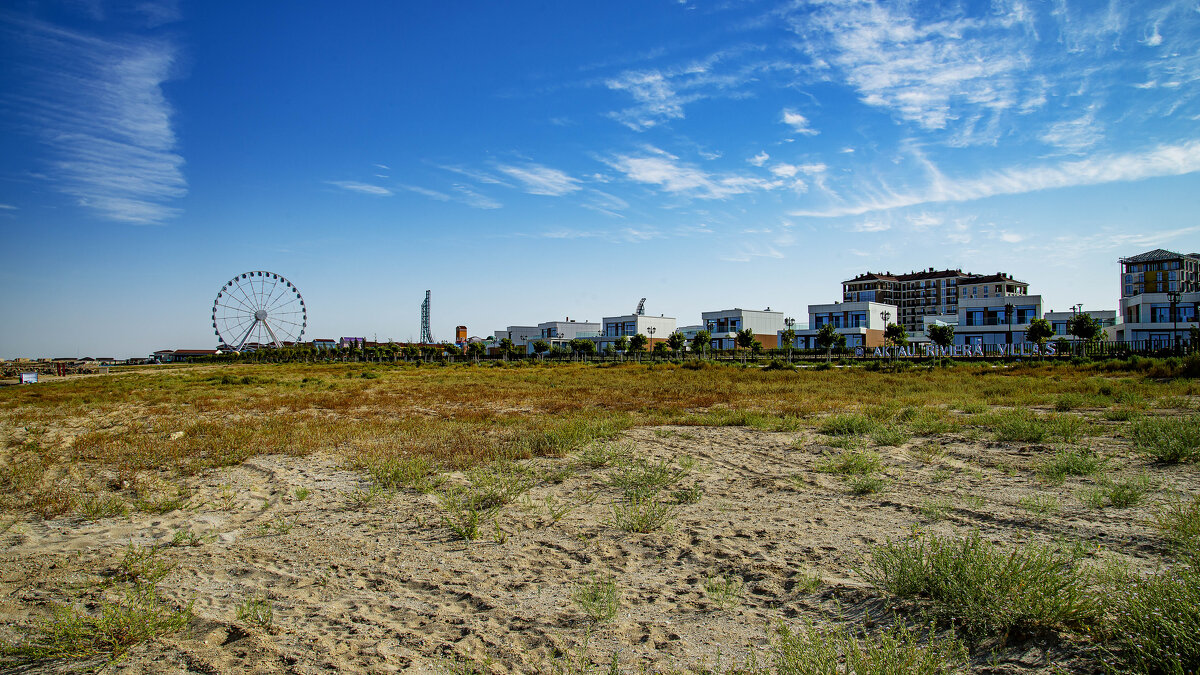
column 462, row 513
column 724, row 591
column 226, row 498
column 361, row 499
column 687, row 495
column 395, row 472
column 256, row 611
column 936, row 508
column 162, row 504
column 895, row 651
column 866, row 485
column 1017, row 425
column 1120, row 493
column 1157, row 621
column 972, row 407
column 598, row 599
column 189, row 538
column 71, row 634
column 108, row 506
column 142, row 565
column 927, row 452
column 1168, row 439
column 1179, row 523
column 850, row 462
column 642, row 477
column 807, row 582
column 499, row 534
column 555, row 510
column 641, row 513
column 301, row 493
column 600, row 455
column 1065, row 463
column 929, row 422
column 497, row 484
column 1067, row 402
column 1122, row 414
column 847, row 425
column 277, row 526
column 974, row 501
column 1039, row 504
column 890, row 436
column 942, row 474
column 983, row 587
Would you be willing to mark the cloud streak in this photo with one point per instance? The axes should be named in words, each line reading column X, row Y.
column 541, row 180
column 99, row 108
column 1165, row 160
column 362, row 188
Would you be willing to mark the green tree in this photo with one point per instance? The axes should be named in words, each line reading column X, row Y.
column 756, row 347
column 622, row 345
column 661, row 349
column 1039, row 332
column 540, row 347
column 411, row 352
column 942, row 334
column 827, row 338
column 452, row 350
column 507, row 348
column 1084, row 327
column 637, row 344
column 676, row 342
column 895, row 335
column 1194, row 337
column 743, row 339
column 700, row 342
column 476, row 350
column 583, row 347
column 789, row 339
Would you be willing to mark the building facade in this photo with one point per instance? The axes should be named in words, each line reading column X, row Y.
column 928, row 292
column 863, row 323
column 656, row 328
column 996, row 319
column 724, row 325
column 1160, row 296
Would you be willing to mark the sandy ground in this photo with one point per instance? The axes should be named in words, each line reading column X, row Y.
column 386, row 587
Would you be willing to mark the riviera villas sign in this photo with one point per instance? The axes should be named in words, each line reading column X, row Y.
column 959, row 351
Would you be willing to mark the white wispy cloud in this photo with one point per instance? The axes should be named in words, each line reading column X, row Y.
column 661, row 94
column 1165, row 160
column 362, row 188
column 748, row 252
column 541, row 180
column 871, row 226
column 799, row 123
column 921, row 69
column 475, row 200
column 7, row 207
column 759, row 159
column 432, row 194
column 1074, row 135
column 98, row 105
column 663, row 169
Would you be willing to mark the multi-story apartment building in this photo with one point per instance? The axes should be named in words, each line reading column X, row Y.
column 1160, row 296
column 724, row 325
column 928, row 292
column 862, row 323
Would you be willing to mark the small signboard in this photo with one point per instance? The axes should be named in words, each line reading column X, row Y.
column 28, row 378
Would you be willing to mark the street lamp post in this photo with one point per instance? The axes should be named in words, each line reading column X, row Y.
column 1008, row 310
column 1174, row 296
column 651, row 330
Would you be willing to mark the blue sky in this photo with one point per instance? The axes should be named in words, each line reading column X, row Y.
column 532, row 161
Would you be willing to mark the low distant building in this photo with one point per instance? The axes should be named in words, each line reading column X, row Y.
column 724, row 325
column 656, row 328
column 521, row 336
column 863, row 323
column 321, row 344
column 1061, row 322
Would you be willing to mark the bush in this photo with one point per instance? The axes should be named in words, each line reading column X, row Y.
column 850, row 462
column 1180, row 524
column 1157, row 622
column 896, row 651
column 1069, row 463
column 848, row 425
column 983, row 588
column 1168, row 440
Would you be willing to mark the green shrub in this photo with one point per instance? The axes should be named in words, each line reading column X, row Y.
column 139, row 616
column 1069, row 463
column 1168, row 439
column 850, row 462
column 984, row 588
column 598, row 599
column 641, row 513
column 1179, row 522
column 890, row 436
column 1017, row 425
column 848, row 425
column 724, row 591
column 1157, row 622
column 895, row 651
column 866, row 485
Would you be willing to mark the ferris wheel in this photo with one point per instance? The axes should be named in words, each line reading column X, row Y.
column 258, row 309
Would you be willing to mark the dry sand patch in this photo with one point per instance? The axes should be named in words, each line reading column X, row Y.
column 384, row 586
